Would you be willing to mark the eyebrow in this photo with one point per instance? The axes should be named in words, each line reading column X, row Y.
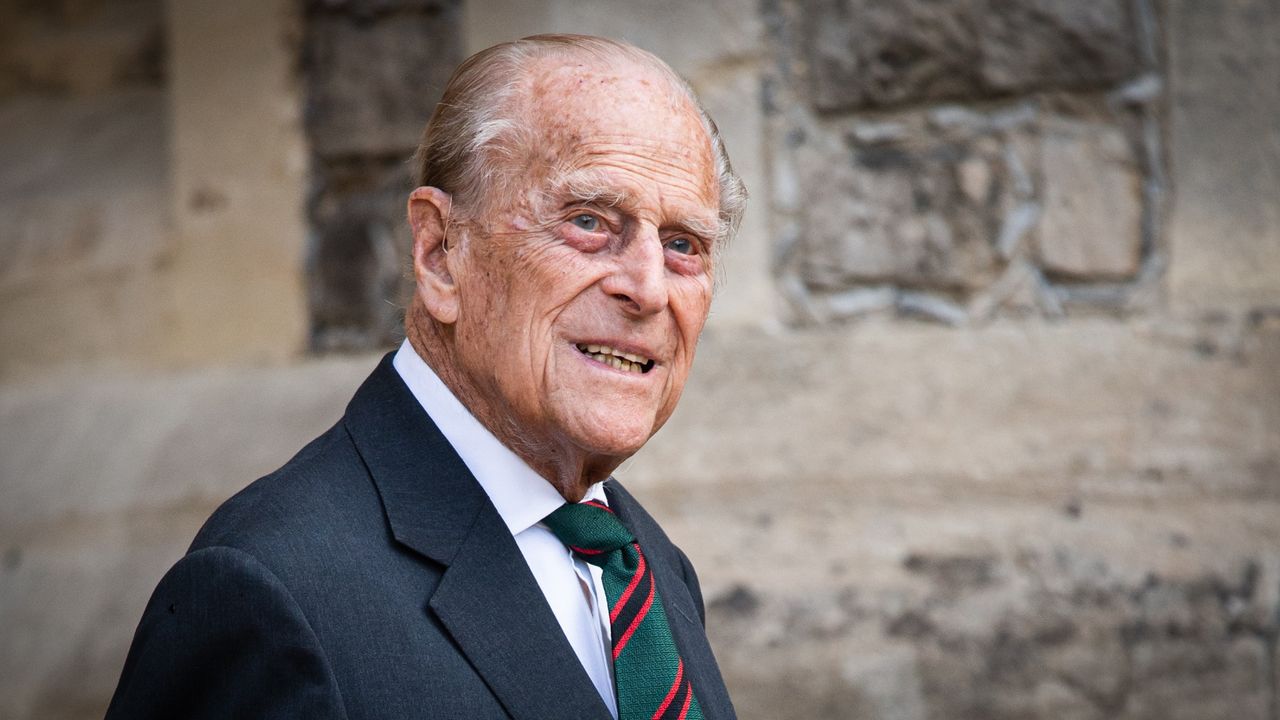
column 587, row 186
column 593, row 187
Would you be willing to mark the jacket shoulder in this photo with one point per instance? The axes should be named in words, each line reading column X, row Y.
column 217, row 623
column 321, row 496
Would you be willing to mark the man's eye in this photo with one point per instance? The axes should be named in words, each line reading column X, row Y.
column 590, row 223
column 682, row 245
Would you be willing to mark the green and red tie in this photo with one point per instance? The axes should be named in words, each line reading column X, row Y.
column 647, row 669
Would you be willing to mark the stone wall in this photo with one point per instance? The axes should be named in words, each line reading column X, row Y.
column 152, row 177
column 238, row 163
column 962, row 162
column 83, row 178
column 374, row 72
column 985, row 424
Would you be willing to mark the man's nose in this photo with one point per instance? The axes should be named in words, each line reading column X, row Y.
column 639, row 281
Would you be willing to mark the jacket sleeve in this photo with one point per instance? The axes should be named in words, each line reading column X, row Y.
column 222, row 637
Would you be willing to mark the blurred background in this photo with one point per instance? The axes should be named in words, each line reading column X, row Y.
column 985, row 424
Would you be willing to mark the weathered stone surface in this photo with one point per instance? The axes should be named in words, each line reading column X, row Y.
column 1091, row 226
column 1050, row 203
column 865, row 54
column 1037, row 45
column 869, row 54
column 1021, row 291
column 113, row 442
column 373, row 78
column 827, row 601
column 76, row 178
column 238, row 173
column 367, row 9
column 891, row 203
column 700, row 40
column 359, row 274
column 1043, row 206
column 1189, row 678
column 80, row 47
column 1130, row 410
column 1224, row 229
column 375, row 71
column 82, row 229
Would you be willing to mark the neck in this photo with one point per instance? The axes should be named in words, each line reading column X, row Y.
column 569, row 469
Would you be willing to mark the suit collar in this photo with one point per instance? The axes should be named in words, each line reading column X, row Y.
column 521, row 496
column 487, row 598
column 430, row 497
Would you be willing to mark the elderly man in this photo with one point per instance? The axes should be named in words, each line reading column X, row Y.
column 453, row 547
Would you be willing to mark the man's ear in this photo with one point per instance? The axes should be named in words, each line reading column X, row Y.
column 429, row 217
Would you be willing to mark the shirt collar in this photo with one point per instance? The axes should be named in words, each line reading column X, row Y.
column 521, row 496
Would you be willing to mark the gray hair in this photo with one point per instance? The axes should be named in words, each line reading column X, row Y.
column 473, row 128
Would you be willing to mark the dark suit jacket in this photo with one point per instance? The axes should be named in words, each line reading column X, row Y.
column 370, row 577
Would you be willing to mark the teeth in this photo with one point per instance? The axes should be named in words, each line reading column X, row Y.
column 616, row 359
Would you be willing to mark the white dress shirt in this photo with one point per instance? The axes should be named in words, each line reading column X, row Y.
column 573, row 587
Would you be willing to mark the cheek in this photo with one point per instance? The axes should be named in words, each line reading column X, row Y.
column 502, row 278
column 690, row 302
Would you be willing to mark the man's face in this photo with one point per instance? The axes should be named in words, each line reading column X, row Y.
column 582, row 294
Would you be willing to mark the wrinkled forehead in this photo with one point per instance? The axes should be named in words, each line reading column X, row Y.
column 580, row 108
column 559, row 78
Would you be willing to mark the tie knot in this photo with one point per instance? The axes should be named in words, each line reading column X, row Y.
column 589, row 528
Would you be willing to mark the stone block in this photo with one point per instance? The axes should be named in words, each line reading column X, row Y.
column 1036, row 45
column 81, row 186
column 83, row 234
column 94, row 322
column 699, row 40
column 1194, row 678
column 1224, row 149
column 80, row 47
column 238, row 183
column 746, row 295
column 1091, row 224
column 359, row 273
column 866, row 54
column 1031, row 207
column 368, row 9
column 373, row 79
column 898, row 203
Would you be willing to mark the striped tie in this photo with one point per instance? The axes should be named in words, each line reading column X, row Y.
column 647, row 669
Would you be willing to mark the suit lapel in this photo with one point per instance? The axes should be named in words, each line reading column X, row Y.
column 497, row 614
column 487, row 597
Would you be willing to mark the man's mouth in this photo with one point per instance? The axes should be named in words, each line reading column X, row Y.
column 616, row 359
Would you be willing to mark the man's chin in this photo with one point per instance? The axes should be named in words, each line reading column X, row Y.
column 613, row 440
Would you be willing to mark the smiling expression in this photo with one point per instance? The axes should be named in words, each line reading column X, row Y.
column 581, row 294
